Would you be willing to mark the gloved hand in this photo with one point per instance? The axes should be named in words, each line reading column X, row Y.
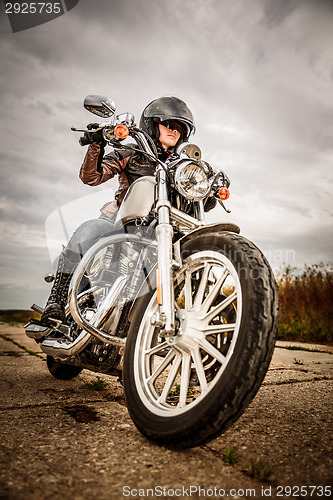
column 93, row 137
column 92, row 126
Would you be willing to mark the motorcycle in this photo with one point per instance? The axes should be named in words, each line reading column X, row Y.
column 183, row 312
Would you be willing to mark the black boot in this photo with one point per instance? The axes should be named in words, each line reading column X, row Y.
column 55, row 306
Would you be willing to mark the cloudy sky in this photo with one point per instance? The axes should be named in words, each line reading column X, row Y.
column 258, row 75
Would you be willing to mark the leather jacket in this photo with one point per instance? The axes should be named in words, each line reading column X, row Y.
column 128, row 163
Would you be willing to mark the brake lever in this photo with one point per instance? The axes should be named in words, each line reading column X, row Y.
column 223, row 205
column 74, row 129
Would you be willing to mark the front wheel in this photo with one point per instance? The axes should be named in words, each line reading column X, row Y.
column 187, row 390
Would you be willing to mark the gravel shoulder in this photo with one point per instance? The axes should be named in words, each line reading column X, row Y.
column 60, row 438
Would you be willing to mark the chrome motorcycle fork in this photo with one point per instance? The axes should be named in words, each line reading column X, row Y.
column 165, row 318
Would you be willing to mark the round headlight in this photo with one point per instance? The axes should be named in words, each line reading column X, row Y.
column 192, row 179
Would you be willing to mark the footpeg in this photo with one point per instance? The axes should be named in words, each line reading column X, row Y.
column 36, row 331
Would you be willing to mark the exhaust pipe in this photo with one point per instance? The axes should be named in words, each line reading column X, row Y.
column 60, row 349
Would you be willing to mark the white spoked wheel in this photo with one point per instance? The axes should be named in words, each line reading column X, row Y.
column 184, row 390
column 175, row 374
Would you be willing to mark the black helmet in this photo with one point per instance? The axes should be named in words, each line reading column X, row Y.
column 163, row 109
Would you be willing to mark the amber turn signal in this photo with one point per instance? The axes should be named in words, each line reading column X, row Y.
column 121, row 131
column 224, row 193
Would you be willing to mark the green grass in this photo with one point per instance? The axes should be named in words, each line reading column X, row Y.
column 259, row 469
column 176, row 391
column 96, row 385
column 229, row 457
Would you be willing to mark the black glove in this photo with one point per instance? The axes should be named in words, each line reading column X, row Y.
column 93, row 137
column 92, row 126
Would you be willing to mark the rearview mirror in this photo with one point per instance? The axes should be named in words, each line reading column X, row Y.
column 100, row 105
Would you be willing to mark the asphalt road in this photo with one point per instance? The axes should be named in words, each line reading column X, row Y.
column 64, row 440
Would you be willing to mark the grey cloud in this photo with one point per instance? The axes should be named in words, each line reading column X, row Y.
column 276, row 12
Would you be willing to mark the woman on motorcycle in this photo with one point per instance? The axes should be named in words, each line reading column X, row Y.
column 168, row 121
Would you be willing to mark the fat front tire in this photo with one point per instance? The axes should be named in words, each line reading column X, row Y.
column 62, row 371
column 187, row 390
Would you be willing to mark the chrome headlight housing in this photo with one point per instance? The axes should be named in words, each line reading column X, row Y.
column 193, row 179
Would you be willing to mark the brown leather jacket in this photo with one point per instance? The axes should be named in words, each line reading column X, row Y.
column 127, row 163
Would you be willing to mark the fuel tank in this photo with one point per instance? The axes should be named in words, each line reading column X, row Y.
column 138, row 200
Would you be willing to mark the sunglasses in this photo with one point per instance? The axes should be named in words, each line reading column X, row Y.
column 173, row 125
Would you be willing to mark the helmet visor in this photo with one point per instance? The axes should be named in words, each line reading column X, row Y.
column 182, row 128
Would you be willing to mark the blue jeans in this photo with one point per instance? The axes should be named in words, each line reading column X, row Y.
column 89, row 233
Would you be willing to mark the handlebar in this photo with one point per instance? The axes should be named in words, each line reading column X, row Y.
column 117, row 132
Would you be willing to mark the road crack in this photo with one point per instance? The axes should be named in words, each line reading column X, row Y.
column 32, row 353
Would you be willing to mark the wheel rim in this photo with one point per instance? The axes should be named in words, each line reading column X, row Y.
column 173, row 375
